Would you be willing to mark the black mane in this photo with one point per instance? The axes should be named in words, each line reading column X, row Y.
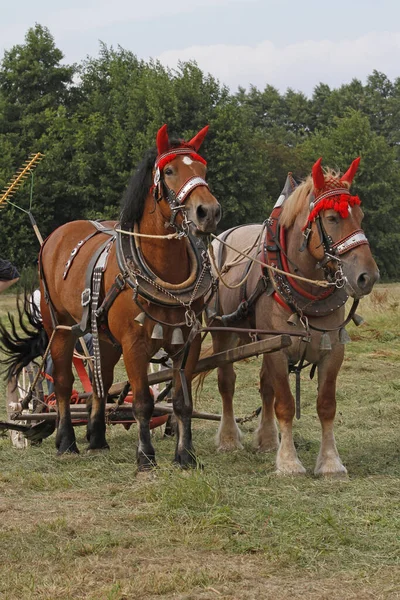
column 138, row 188
column 139, row 185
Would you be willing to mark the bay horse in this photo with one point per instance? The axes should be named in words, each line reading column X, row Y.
column 314, row 231
column 153, row 276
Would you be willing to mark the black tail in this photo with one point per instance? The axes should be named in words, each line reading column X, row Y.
column 21, row 350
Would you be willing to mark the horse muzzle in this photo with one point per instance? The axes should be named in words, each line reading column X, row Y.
column 363, row 284
column 206, row 218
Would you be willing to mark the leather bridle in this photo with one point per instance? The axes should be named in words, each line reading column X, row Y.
column 176, row 200
column 331, row 262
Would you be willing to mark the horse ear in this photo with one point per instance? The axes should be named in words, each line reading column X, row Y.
column 349, row 175
column 318, row 175
column 198, row 139
column 162, row 140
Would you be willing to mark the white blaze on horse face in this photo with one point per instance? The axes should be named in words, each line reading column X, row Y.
column 187, row 160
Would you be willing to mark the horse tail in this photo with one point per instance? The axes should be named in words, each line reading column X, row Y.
column 199, row 378
column 22, row 349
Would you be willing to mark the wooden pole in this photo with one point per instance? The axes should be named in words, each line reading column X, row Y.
column 209, row 363
column 79, row 413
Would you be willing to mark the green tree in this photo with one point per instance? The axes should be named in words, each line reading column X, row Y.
column 33, row 85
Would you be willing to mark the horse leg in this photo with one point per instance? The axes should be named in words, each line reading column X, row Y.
column 96, row 429
column 267, row 432
column 62, row 349
column 328, row 461
column 183, row 408
column 287, row 461
column 229, row 435
column 142, row 405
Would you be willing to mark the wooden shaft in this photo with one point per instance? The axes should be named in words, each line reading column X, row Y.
column 222, row 358
column 79, row 414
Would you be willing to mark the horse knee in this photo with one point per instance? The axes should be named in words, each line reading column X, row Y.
column 285, row 409
column 226, row 380
column 326, row 408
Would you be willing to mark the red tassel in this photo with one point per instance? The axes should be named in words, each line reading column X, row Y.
column 161, row 164
column 338, row 203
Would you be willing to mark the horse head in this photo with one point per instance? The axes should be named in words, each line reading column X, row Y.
column 179, row 184
column 333, row 230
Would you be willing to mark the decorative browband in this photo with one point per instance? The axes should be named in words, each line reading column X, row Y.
column 330, row 193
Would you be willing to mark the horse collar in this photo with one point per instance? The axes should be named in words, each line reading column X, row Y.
column 146, row 283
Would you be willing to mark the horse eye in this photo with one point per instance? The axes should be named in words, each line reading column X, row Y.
column 168, row 171
column 332, row 219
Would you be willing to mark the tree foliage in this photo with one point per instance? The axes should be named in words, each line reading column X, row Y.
column 95, row 120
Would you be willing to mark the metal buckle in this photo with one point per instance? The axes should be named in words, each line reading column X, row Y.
column 85, row 297
column 120, row 281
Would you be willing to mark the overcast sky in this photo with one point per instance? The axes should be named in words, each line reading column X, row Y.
column 285, row 43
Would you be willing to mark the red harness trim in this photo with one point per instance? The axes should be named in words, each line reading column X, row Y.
column 273, row 256
column 276, row 296
column 293, row 283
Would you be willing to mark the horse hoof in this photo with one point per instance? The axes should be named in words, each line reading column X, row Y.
column 146, row 462
column 229, row 445
column 292, row 470
column 146, row 466
column 187, row 459
column 264, row 448
column 96, row 451
column 330, row 467
column 338, row 474
column 68, row 453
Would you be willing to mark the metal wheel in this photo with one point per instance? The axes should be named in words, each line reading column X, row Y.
column 16, row 392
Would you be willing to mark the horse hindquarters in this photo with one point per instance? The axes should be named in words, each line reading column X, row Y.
column 62, row 349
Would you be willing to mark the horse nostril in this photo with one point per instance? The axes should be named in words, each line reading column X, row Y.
column 201, row 212
column 363, row 281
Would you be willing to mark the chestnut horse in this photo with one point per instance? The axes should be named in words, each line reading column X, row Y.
column 314, row 232
column 168, row 194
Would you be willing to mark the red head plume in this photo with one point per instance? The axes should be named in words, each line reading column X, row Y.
column 198, row 139
column 349, row 175
column 162, row 140
column 318, row 175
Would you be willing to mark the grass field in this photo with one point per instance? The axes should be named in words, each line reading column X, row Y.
column 90, row 528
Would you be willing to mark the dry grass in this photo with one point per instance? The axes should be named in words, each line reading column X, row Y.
column 89, row 528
